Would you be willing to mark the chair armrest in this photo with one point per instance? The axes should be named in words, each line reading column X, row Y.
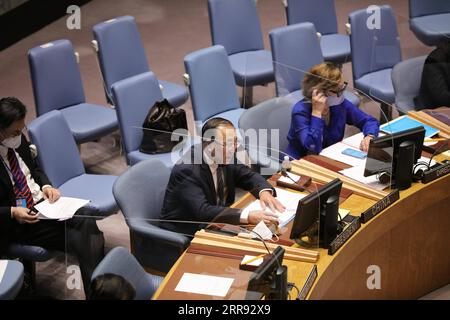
column 161, row 235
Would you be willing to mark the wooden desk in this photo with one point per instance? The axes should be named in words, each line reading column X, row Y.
column 408, row 241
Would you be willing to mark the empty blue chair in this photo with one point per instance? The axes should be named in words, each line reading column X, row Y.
column 375, row 51
column 322, row 13
column 235, row 25
column 121, row 262
column 12, row 280
column 273, row 116
column 57, row 85
column 59, row 158
column 295, row 50
column 121, row 55
column 407, row 78
column 134, row 97
column 213, row 94
column 140, row 195
column 429, row 20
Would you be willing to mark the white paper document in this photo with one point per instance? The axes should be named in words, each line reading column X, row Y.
column 203, row 284
column 62, row 209
column 287, row 199
column 357, row 173
column 335, row 152
column 3, row 265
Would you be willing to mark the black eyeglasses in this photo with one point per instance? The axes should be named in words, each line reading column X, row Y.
column 341, row 90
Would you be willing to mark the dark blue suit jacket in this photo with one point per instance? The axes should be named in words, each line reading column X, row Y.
column 191, row 195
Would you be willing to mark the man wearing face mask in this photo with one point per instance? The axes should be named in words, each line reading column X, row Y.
column 319, row 120
column 202, row 185
column 22, row 184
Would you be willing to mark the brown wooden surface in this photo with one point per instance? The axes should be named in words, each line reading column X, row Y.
column 408, row 241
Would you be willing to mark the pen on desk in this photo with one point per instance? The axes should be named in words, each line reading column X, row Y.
column 254, row 259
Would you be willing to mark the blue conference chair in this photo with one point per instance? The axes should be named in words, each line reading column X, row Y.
column 59, row 158
column 429, row 20
column 407, row 78
column 57, row 85
column 213, row 94
column 375, row 51
column 273, row 117
column 12, row 280
column 121, row 262
column 140, row 195
column 295, row 50
column 121, row 55
column 322, row 13
column 134, row 97
column 235, row 25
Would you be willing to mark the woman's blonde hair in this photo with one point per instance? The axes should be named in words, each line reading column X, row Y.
column 323, row 77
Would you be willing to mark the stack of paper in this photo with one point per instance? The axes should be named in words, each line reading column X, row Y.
column 3, row 265
column 203, row 284
column 62, row 209
column 287, row 199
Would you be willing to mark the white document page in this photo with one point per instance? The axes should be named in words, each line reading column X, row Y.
column 3, row 265
column 203, row 284
column 62, row 209
column 287, row 199
column 357, row 173
column 287, row 180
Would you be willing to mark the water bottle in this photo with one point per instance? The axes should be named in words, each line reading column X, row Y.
column 286, row 164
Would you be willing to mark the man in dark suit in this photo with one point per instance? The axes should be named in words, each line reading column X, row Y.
column 435, row 86
column 22, row 184
column 202, row 186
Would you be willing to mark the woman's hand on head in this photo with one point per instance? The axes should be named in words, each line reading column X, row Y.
column 319, row 103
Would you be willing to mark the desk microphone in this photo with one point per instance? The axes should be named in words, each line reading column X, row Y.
column 285, row 174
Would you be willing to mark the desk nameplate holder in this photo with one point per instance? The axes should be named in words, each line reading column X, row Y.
column 308, row 284
column 346, row 234
column 436, row 173
column 380, row 206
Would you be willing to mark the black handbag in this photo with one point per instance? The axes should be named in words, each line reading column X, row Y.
column 162, row 119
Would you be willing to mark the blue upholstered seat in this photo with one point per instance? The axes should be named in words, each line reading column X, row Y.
column 120, row 261
column 429, row 20
column 290, row 66
column 407, row 78
column 134, row 97
column 57, row 85
column 121, row 55
column 322, row 13
column 12, row 280
column 153, row 246
column 60, row 160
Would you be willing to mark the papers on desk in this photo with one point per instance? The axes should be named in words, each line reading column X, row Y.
column 405, row 123
column 294, row 177
column 62, row 209
column 203, row 284
column 335, row 152
column 3, row 265
column 287, row 199
column 357, row 173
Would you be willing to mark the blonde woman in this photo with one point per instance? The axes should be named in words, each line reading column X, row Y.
column 319, row 119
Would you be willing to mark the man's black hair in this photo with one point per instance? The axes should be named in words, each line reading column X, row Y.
column 11, row 110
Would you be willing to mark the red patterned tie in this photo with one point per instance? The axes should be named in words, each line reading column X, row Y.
column 21, row 188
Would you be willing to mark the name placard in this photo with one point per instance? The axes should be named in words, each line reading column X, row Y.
column 380, row 206
column 344, row 236
column 436, row 173
column 308, row 284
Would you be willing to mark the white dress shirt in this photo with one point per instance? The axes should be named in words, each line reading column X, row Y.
column 213, row 168
column 36, row 191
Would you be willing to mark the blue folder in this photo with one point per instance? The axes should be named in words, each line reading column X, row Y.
column 405, row 123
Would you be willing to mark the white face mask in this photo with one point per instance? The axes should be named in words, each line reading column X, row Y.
column 335, row 101
column 13, row 142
